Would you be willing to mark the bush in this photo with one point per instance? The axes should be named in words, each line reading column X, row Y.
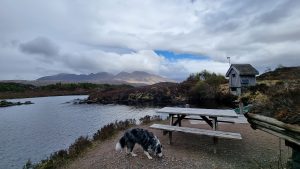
column 203, row 89
column 28, row 165
column 109, row 130
column 15, row 87
column 147, row 119
column 80, row 145
column 105, row 132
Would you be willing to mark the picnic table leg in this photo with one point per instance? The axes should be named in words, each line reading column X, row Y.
column 179, row 122
column 170, row 137
column 171, row 118
column 215, row 127
column 170, row 133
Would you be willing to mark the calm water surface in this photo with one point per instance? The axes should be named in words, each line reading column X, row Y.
column 50, row 124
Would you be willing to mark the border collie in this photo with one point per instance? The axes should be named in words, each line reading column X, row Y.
column 146, row 139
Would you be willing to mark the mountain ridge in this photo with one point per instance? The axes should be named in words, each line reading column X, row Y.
column 135, row 77
column 282, row 73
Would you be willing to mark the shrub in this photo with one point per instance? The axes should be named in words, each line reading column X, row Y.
column 105, row 132
column 147, row 119
column 203, row 89
column 123, row 125
column 80, row 145
column 109, row 130
column 28, row 165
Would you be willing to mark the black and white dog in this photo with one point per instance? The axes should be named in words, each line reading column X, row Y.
column 146, row 139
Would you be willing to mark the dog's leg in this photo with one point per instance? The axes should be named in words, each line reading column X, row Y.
column 130, row 152
column 133, row 154
column 148, row 155
column 130, row 147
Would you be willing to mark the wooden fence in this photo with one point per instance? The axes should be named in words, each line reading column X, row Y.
column 289, row 132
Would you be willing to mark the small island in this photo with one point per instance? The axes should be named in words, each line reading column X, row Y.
column 4, row 103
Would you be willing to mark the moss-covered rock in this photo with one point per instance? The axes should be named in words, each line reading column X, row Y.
column 4, row 103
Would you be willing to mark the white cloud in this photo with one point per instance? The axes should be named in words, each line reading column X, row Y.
column 117, row 35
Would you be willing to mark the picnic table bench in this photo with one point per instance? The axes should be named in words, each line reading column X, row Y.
column 221, row 134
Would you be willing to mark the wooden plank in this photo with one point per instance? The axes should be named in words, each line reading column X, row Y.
column 294, row 128
column 279, row 135
column 197, row 111
column 208, row 121
column 221, row 134
column 275, row 130
column 178, row 121
column 195, row 118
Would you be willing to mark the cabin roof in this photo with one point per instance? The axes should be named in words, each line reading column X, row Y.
column 243, row 69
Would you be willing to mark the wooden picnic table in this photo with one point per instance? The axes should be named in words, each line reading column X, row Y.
column 205, row 114
column 210, row 116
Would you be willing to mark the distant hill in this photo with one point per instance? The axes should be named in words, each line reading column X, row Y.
column 136, row 77
column 284, row 73
column 102, row 76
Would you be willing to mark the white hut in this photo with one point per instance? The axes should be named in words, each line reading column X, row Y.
column 240, row 76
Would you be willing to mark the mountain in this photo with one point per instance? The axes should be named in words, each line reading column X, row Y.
column 284, row 73
column 136, row 77
column 140, row 77
column 79, row 78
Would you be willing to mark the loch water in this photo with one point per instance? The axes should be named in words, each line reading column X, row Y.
column 53, row 123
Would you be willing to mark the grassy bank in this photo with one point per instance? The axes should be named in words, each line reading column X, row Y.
column 80, row 146
column 18, row 90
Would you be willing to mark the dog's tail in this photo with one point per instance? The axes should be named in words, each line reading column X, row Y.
column 121, row 144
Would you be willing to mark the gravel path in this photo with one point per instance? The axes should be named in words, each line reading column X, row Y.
column 257, row 149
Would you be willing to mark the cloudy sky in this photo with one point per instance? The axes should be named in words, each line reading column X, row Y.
column 172, row 38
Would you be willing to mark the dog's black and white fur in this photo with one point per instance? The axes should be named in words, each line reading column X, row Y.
column 146, row 139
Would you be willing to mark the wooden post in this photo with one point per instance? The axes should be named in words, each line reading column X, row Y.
column 179, row 118
column 171, row 119
column 295, row 163
column 296, row 159
column 170, row 133
column 215, row 127
column 170, row 137
column 241, row 107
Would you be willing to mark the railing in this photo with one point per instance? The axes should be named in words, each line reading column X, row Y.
column 289, row 132
column 286, row 131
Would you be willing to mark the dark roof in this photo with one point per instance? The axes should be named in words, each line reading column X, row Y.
column 243, row 69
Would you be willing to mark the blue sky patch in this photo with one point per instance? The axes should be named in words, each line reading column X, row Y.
column 174, row 56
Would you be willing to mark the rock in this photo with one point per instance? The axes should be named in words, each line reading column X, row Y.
column 4, row 103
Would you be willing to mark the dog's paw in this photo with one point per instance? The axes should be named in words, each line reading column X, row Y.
column 150, row 158
column 133, row 154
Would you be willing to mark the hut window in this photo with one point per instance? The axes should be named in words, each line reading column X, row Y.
column 245, row 81
column 233, row 75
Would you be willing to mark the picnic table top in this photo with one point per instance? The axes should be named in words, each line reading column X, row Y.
column 199, row 111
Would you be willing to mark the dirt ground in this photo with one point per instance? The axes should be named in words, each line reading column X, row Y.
column 257, row 149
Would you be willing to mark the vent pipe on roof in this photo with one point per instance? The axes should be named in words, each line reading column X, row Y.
column 228, row 58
